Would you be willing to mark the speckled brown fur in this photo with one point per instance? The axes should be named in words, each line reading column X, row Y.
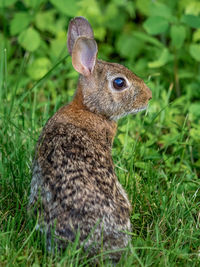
column 74, row 186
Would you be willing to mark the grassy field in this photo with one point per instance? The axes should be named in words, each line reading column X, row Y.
column 154, row 155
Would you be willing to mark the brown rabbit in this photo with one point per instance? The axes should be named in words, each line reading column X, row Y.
column 74, row 185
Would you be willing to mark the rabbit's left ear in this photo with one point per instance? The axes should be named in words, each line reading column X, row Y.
column 84, row 55
column 78, row 27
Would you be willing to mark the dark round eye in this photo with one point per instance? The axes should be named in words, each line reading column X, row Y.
column 119, row 83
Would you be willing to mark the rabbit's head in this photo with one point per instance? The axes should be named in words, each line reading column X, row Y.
column 108, row 89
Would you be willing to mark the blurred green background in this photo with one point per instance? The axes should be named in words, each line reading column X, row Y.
column 156, row 155
column 152, row 38
column 158, row 40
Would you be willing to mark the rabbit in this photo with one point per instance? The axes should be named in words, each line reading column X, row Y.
column 74, row 186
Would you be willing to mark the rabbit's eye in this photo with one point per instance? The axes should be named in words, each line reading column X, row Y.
column 119, row 83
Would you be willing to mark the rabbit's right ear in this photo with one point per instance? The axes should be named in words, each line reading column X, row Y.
column 84, row 55
column 78, row 27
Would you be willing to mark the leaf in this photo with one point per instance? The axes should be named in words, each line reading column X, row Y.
column 20, row 21
column 160, row 9
column 6, row 3
column 129, row 46
column 194, row 50
column 144, row 6
column 146, row 38
column 178, row 34
column 162, row 59
column 155, row 25
column 191, row 20
column 114, row 19
column 68, row 7
column 29, row 39
column 154, row 8
column 39, row 68
column 193, row 8
column 33, row 3
column 45, row 21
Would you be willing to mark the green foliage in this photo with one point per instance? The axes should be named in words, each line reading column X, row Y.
column 192, row 21
column 157, row 156
column 177, row 34
column 195, row 51
column 68, row 7
column 29, row 39
column 20, row 21
column 155, row 25
column 7, row 3
column 169, row 29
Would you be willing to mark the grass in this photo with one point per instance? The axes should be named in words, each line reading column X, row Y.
column 156, row 159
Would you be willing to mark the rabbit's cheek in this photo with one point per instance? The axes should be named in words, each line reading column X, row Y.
column 143, row 100
column 118, row 97
column 142, row 94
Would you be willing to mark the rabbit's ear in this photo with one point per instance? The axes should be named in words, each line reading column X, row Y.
column 84, row 55
column 78, row 27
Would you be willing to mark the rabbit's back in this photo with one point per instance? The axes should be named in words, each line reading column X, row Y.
column 74, row 177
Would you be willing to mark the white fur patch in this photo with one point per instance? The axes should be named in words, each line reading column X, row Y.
column 133, row 111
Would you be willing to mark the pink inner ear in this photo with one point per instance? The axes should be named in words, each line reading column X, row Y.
column 88, row 56
column 84, row 55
